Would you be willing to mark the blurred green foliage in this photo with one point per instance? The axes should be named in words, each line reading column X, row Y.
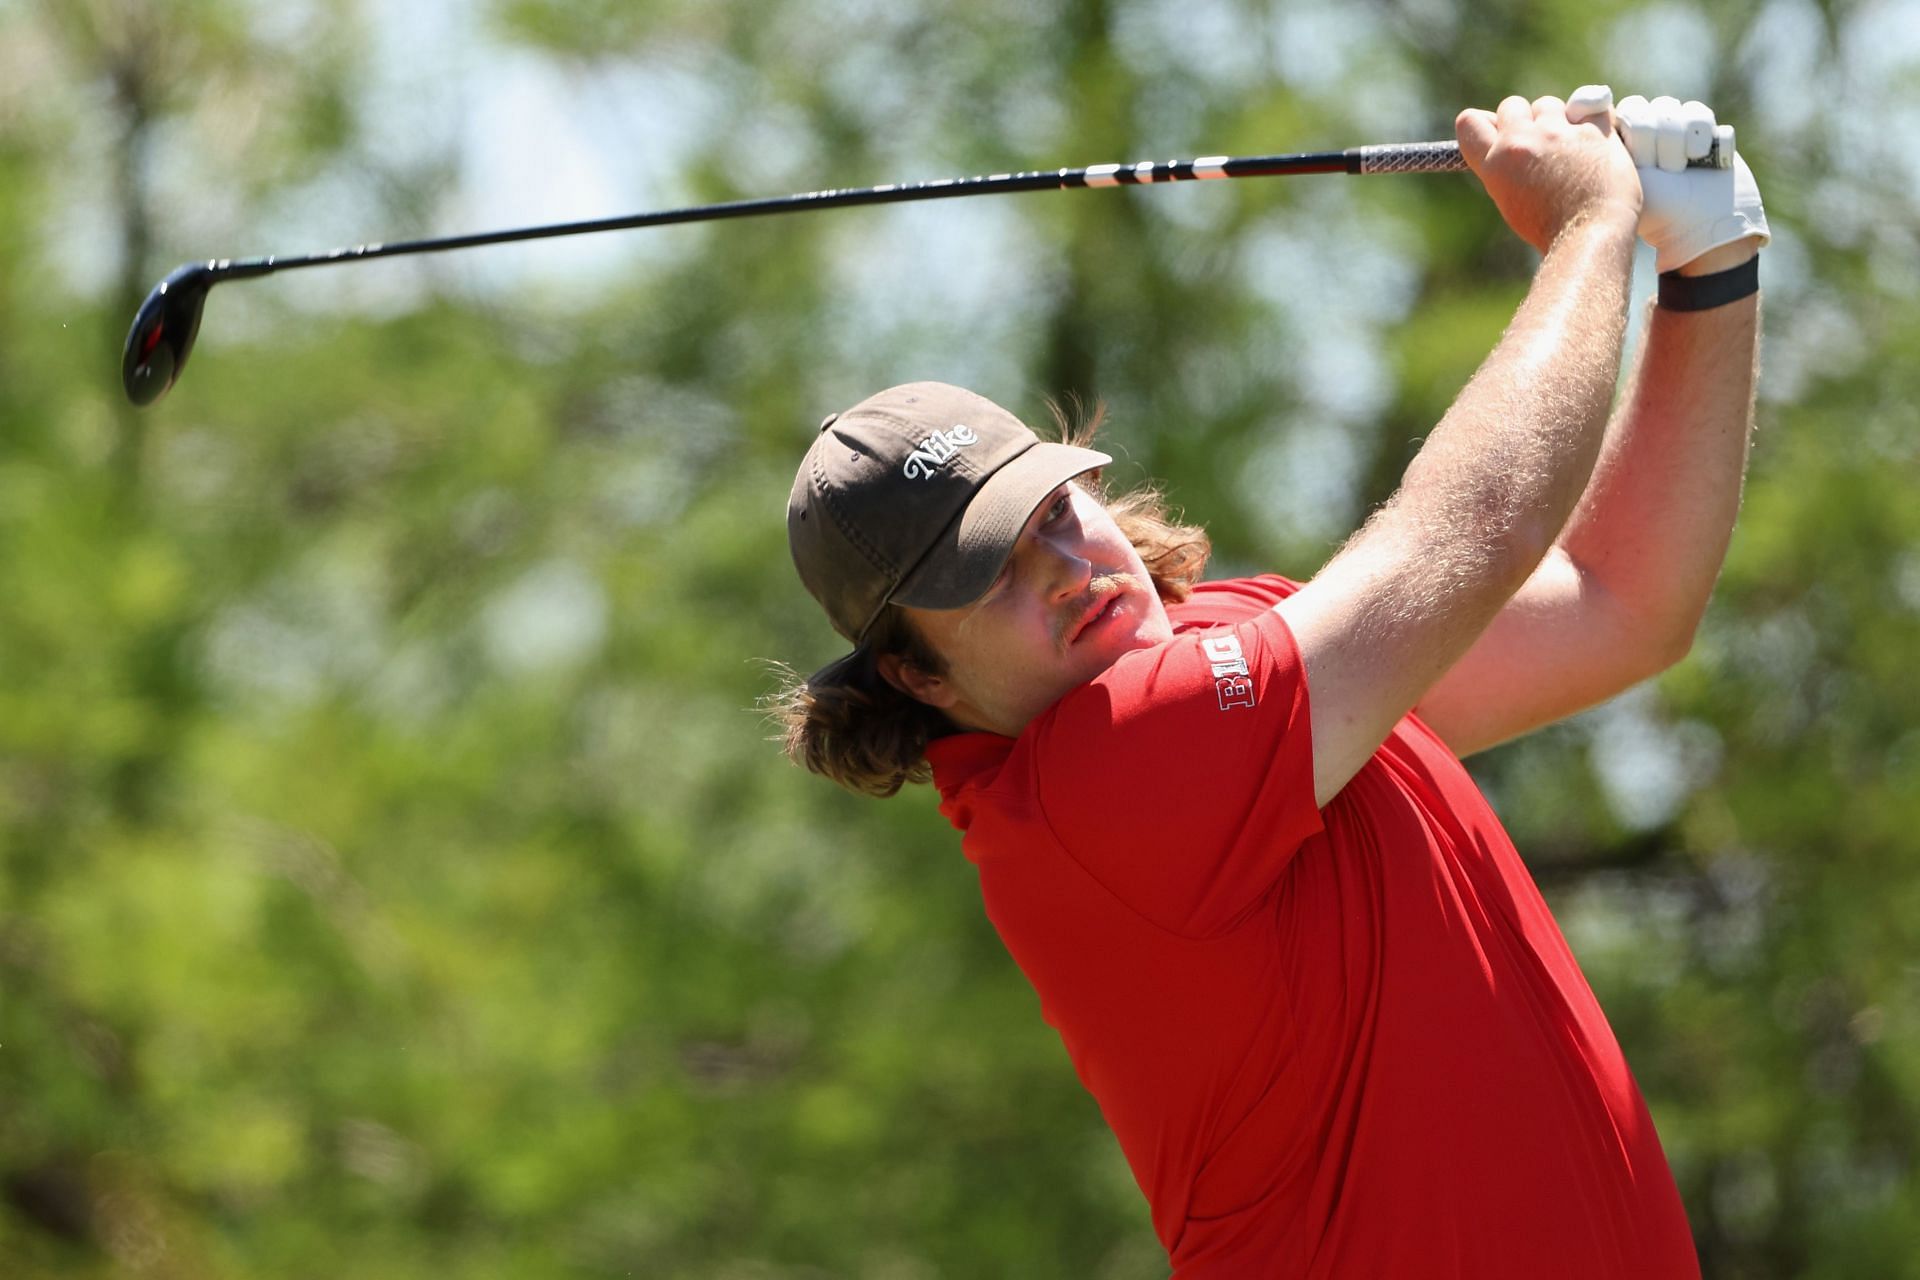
column 395, row 876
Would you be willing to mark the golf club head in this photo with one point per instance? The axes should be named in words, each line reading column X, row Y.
column 163, row 332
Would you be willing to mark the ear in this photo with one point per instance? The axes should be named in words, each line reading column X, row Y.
column 914, row 682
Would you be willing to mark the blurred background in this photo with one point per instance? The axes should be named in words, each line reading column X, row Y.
column 396, row 878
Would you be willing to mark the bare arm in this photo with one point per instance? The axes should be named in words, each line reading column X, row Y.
column 1620, row 595
column 1495, row 483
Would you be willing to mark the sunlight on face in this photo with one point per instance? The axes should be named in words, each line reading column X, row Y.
column 1073, row 597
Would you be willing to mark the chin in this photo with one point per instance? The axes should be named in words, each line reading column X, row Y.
column 1151, row 625
column 1125, row 634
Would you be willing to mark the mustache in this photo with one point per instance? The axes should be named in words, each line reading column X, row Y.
column 1100, row 589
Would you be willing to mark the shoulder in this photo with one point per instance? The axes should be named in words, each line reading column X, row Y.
column 1225, row 687
column 1182, row 777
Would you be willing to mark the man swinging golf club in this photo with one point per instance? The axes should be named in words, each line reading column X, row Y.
column 1223, row 827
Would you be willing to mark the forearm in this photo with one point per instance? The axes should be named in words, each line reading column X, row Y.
column 1653, row 526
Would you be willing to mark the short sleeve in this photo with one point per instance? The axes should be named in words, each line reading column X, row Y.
column 1182, row 778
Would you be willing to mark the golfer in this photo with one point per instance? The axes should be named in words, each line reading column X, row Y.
column 1223, row 828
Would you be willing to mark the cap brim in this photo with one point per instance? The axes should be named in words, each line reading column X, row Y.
column 970, row 552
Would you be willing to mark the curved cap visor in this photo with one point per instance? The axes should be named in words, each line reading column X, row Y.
column 969, row 553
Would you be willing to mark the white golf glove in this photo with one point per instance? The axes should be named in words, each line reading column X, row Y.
column 1685, row 212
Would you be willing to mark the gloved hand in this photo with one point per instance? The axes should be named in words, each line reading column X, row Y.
column 1686, row 212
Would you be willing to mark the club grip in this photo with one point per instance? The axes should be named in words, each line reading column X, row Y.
column 1445, row 157
column 1406, row 157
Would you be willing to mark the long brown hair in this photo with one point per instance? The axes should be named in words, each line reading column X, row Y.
column 846, row 722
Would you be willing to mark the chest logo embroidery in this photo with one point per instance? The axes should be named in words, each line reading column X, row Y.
column 934, row 451
column 1232, row 682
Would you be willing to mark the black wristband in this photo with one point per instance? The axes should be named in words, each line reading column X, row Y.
column 1704, row 293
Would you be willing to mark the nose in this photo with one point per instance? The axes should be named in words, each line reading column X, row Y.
column 1067, row 572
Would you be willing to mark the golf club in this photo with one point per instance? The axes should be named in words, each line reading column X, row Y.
column 164, row 328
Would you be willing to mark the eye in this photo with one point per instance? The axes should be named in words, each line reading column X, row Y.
column 1058, row 508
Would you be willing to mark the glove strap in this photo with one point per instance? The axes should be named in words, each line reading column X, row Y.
column 1704, row 293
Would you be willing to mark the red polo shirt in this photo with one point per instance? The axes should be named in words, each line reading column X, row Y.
column 1347, row 1042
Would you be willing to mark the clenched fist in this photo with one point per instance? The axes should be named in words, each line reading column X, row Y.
column 1547, row 172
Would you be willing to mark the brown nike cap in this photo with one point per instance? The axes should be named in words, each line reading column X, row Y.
column 916, row 496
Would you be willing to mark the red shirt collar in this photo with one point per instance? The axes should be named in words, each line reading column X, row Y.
column 962, row 763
